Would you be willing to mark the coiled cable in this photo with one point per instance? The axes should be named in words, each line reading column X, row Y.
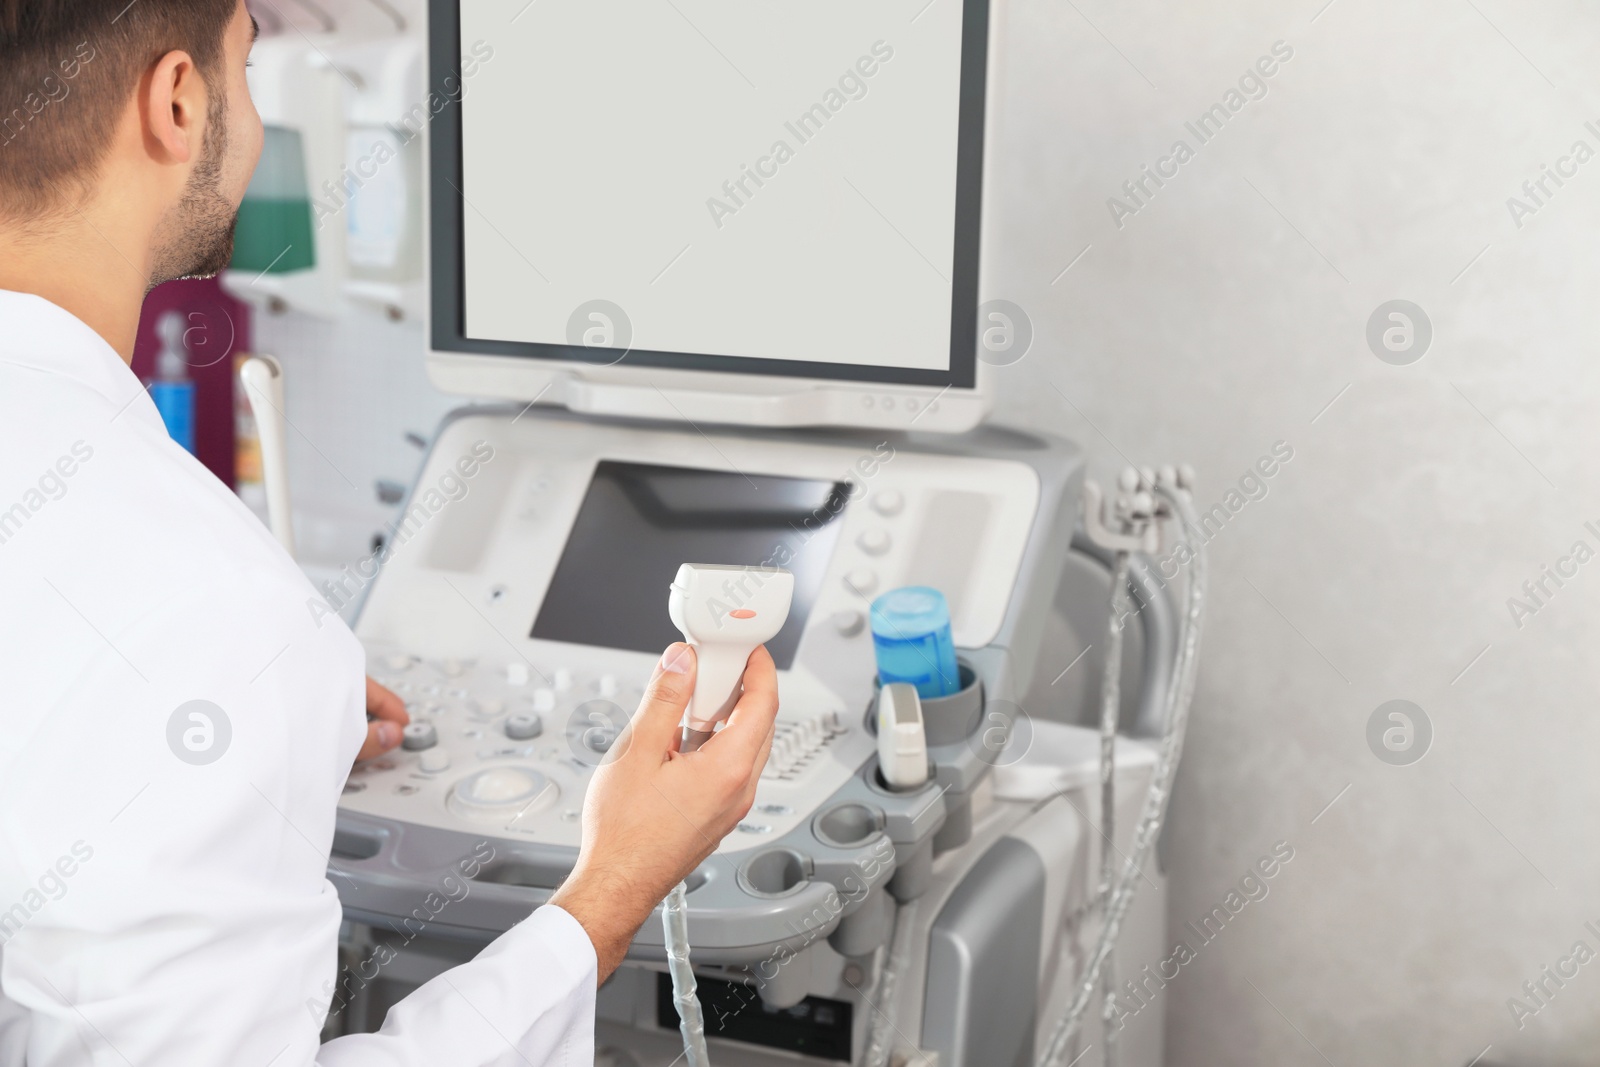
column 1180, row 696
column 1110, row 707
column 691, row 1022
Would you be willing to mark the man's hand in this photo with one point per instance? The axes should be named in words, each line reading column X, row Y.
column 387, row 715
column 653, row 813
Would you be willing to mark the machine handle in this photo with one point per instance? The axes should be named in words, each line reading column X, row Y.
column 262, row 378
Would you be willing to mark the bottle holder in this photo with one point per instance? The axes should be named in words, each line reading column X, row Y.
column 946, row 720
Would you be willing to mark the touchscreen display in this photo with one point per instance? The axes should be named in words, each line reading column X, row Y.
column 638, row 522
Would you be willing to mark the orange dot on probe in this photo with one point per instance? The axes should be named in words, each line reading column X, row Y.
column 742, row 613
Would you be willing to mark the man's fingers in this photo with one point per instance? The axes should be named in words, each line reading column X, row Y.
column 760, row 763
column 382, row 736
column 383, row 704
column 655, row 724
column 387, row 715
column 751, row 724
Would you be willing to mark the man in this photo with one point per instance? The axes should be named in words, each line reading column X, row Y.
column 156, row 908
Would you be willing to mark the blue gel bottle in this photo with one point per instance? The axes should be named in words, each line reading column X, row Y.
column 911, row 635
column 172, row 389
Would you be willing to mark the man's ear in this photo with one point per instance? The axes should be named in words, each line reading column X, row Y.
column 174, row 109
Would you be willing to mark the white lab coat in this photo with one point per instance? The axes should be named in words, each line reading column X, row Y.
column 152, row 911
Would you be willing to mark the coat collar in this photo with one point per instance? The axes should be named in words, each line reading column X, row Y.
column 38, row 335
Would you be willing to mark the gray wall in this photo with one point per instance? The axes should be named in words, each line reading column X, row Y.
column 1225, row 315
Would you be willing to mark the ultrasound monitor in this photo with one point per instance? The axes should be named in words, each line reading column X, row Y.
column 711, row 210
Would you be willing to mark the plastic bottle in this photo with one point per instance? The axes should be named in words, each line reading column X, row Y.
column 172, row 389
column 912, row 638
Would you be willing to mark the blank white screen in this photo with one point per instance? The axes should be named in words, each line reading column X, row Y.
column 596, row 138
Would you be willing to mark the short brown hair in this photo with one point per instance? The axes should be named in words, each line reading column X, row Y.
column 67, row 68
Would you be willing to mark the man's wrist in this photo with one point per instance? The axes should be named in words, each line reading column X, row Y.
column 610, row 911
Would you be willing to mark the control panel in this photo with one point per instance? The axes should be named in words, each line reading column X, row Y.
column 507, row 748
column 522, row 601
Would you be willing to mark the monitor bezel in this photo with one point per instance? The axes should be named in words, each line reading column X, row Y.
column 446, row 215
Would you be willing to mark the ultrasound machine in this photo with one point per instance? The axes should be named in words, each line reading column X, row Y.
column 711, row 276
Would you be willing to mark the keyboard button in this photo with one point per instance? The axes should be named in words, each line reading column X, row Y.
column 419, row 736
column 523, row 727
